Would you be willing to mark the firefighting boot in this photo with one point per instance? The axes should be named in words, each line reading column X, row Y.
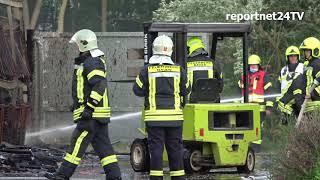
column 63, row 173
column 55, row 176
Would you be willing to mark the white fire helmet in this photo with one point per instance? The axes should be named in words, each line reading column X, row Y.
column 162, row 45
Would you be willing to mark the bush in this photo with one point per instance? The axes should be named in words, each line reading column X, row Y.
column 299, row 157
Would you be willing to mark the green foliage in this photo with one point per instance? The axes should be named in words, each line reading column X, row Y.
column 122, row 15
column 271, row 38
column 230, row 50
column 203, row 10
column 268, row 39
column 299, row 153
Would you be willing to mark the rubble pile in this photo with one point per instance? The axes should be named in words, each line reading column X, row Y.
column 28, row 161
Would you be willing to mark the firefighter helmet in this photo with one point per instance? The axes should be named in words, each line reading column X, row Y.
column 162, row 45
column 254, row 59
column 312, row 44
column 85, row 39
column 292, row 50
column 194, row 43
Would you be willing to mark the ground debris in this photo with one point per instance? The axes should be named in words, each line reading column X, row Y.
column 28, row 161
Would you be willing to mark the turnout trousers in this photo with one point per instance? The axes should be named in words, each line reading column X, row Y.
column 171, row 137
column 96, row 133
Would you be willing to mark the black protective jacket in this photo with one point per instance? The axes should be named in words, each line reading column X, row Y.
column 163, row 87
column 89, row 87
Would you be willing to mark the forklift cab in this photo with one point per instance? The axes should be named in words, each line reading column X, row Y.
column 214, row 134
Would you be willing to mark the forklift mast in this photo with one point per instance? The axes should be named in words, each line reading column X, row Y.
column 180, row 30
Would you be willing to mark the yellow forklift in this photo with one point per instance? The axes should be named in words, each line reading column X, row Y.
column 215, row 135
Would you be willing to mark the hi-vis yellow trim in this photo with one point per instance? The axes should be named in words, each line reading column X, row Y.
column 90, row 105
column 269, row 103
column 317, row 89
column 200, row 64
column 176, row 93
column 210, row 74
column 152, row 93
column 267, row 85
column 139, row 83
column 318, row 74
column 108, row 160
column 255, row 81
column 80, row 85
column 177, row 173
column 284, row 108
column 77, row 113
column 101, row 112
column 163, row 115
column 163, row 112
column 164, row 68
column 309, row 79
column 262, row 108
column 190, row 77
column 297, row 91
column 256, row 98
column 312, row 106
column 73, row 157
column 105, row 99
column 96, row 73
column 156, row 173
column 96, row 96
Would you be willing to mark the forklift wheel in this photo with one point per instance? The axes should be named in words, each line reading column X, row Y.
column 189, row 161
column 250, row 162
column 139, row 155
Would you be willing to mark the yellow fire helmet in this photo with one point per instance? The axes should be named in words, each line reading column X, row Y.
column 312, row 44
column 254, row 59
column 194, row 43
column 292, row 50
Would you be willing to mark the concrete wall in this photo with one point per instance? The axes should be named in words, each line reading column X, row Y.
column 53, row 59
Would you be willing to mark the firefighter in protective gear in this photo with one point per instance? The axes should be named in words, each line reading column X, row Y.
column 91, row 110
column 292, row 67
column 292, row 84
column 292, row 97
column 259, row 84
column 200, row 65
column 310, row 48
column 163, row 84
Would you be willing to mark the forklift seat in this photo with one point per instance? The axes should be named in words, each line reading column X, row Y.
column 205, row 91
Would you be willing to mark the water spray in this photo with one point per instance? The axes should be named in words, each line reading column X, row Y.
column 126, row 116
column 241, row 98
column 50, row 130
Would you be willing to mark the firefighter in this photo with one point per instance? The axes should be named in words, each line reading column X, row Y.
column 163, row 84
column 200, row 65
column 292, row 97
column 259, row 84
column 292, row 67
column 91, row 110
column 310, row 48
column 292, row 84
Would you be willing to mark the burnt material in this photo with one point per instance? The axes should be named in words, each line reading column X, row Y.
column 28, row 161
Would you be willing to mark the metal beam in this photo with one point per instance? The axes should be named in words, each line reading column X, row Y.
column 223, row 29
column 245, row 67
